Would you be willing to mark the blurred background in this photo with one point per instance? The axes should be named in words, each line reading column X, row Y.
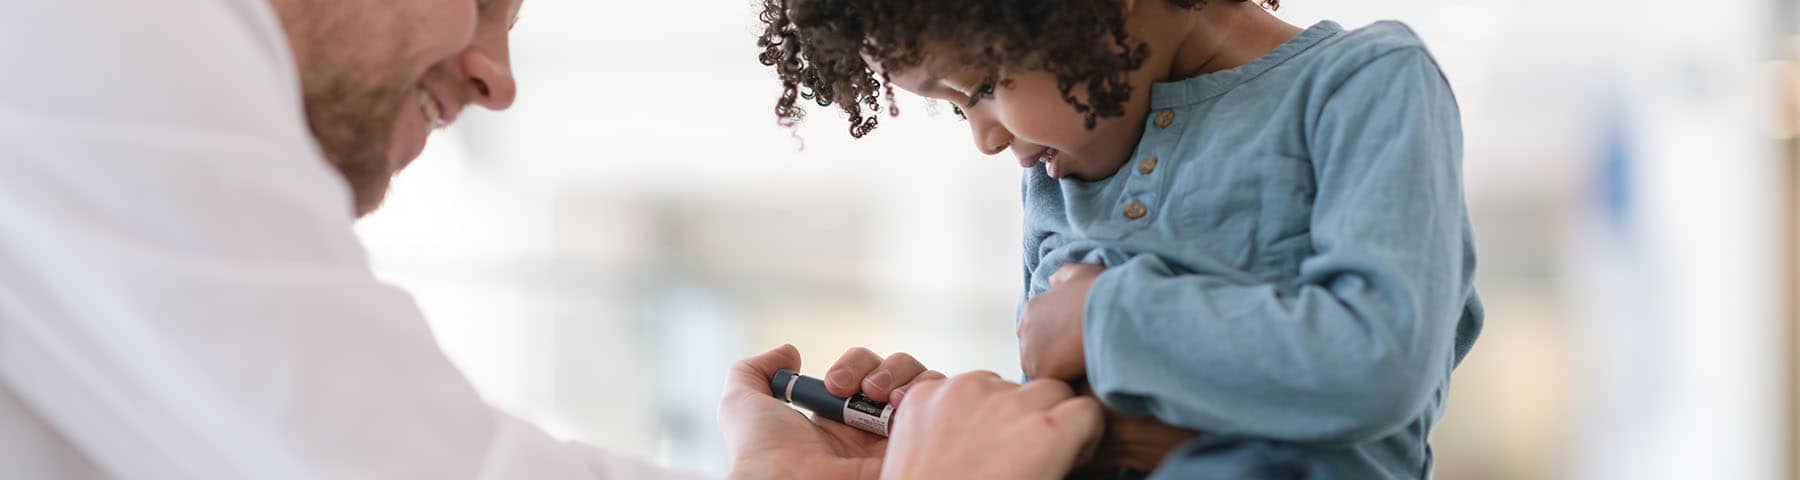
column 639, row 219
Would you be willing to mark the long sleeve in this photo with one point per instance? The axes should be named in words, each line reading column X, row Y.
column 266, row 362
column 1361, row 342
column 181, row 294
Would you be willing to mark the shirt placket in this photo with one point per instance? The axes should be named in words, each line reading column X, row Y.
column 1142, row 197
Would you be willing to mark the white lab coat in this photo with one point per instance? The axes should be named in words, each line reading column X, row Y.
column 181, row 294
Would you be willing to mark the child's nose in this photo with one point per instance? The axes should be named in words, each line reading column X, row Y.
column 990, row 137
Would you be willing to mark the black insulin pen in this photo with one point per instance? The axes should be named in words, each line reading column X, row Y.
column 809, row 393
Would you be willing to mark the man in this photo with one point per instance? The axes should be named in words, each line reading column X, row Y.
column 181, row 294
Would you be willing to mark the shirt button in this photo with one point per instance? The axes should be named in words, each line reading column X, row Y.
column 1164, row 118
column 1136, row 210
column 1148, row 165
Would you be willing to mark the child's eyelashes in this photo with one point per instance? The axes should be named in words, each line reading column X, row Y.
column 984, row 90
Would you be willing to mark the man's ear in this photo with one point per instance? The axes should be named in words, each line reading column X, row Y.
column 1128, row 5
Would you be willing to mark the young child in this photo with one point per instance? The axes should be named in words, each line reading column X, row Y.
column 1233, row 225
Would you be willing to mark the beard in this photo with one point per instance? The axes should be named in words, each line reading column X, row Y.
column 354, row 93
column 353, row 120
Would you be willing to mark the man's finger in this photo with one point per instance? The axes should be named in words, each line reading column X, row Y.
column 900, row 393
column 1043, row 393
column 846, row 376
column 749, row 379
column 897, row 370
column 923, row 389
column 1081, row 415
column 976, row 384
column 756, row 372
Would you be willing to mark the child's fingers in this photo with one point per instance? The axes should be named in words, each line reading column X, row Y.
column 1062, row 275
column 1072, row 271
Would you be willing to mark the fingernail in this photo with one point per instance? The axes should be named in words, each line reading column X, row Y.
column 880, row 379
column 840, row 379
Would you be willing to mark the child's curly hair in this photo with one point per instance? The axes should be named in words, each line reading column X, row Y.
column 818, row 48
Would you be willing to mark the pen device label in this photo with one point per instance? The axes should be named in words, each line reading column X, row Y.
column 868, row 415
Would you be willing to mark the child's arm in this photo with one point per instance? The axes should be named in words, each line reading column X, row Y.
column 1360, row 349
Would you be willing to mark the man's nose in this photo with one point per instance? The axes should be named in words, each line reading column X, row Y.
column 489, row 79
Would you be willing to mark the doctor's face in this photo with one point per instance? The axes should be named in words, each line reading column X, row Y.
column 379, row 76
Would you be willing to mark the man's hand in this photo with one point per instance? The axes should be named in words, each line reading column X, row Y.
column 768, row 439
column 980, row 426
column 882, row 380
column 1050, row 331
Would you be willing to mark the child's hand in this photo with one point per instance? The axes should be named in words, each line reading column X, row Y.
column 1050, row 330
column 1137, row 443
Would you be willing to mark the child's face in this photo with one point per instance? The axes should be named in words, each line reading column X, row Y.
column 1029, row 116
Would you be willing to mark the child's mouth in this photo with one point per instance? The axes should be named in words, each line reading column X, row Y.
column 1048, row 158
